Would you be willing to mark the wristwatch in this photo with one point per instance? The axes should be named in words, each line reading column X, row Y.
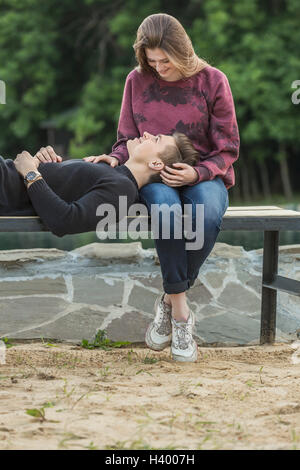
column 31, row 177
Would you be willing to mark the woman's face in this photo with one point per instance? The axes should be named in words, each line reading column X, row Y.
column 158, row 60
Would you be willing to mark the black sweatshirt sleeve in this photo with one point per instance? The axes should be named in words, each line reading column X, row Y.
column 63, row 217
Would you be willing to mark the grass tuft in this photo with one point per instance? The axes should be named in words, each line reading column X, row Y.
column 102, row 342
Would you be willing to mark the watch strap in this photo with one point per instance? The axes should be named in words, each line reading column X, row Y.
column 37, row 176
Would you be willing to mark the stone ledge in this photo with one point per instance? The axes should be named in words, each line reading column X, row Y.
column 288, row 249
column 32, row 254
column 223, row 250
column 121, row 251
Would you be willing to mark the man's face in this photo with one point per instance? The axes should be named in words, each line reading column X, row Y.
column 148, row 146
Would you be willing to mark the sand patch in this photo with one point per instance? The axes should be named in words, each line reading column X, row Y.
column 133, row 398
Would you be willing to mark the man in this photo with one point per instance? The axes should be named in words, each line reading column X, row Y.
column 66, row 194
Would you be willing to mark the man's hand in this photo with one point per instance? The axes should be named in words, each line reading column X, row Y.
column 112, row 161
column 186, row 174
column 24, row 163
column 47, row 155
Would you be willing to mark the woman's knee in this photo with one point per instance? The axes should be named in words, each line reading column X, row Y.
column 212, row 195
column 207, row 204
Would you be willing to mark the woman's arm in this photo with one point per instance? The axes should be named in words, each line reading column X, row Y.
column 223, row 134
column 223, row 140
column 127, row 128
column 48, row 155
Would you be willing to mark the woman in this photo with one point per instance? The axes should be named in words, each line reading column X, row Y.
column 171, row 90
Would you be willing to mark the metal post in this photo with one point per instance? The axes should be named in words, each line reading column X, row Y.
column 269, row 296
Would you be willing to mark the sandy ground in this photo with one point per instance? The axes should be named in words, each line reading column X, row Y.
column 133, row 398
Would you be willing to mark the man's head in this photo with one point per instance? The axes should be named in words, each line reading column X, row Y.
column 156, row 152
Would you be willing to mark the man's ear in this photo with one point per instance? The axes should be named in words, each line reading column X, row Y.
column 156, row 165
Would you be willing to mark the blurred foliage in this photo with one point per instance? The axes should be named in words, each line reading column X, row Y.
column 56, row 56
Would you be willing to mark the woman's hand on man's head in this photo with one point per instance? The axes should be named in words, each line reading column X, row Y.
column 48, row 155
column 182, row 175
column 112, row 161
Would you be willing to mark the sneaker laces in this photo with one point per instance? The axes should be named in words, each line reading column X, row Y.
column 183, row 336
column 163, row 319
column 164, row 311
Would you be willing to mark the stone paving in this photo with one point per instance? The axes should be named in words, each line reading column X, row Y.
column 68, row 296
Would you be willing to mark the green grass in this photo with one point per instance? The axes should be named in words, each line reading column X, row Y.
column 102, row 342
column 7, row 343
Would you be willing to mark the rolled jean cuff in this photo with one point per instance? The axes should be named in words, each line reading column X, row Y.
column 177, row 287
column 192, row 282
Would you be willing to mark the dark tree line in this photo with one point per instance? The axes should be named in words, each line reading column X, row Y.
column 65, row 62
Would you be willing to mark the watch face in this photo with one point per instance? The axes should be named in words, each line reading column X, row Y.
column 31, row 175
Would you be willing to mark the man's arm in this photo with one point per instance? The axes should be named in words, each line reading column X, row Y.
column 62, row 217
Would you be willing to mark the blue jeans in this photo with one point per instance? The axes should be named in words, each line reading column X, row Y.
column 179, row 266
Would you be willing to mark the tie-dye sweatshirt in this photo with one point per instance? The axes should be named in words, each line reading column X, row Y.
column 201, row 107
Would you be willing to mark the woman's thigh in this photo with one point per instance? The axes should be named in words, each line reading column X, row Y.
column 164, row 206
column 159, row 193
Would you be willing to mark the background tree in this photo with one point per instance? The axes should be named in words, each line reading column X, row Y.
column 74, row 56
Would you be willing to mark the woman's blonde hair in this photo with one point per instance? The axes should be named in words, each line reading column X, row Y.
column 183, row 151
column 165, row 32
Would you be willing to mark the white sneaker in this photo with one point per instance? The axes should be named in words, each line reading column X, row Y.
column 184, row 347
column 159, row 332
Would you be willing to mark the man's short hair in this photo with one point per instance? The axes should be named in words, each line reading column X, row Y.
column 182, row 152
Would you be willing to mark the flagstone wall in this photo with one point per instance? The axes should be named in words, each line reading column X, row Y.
column 68, row 296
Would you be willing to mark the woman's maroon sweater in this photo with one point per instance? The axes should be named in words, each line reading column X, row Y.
column 201, row 107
